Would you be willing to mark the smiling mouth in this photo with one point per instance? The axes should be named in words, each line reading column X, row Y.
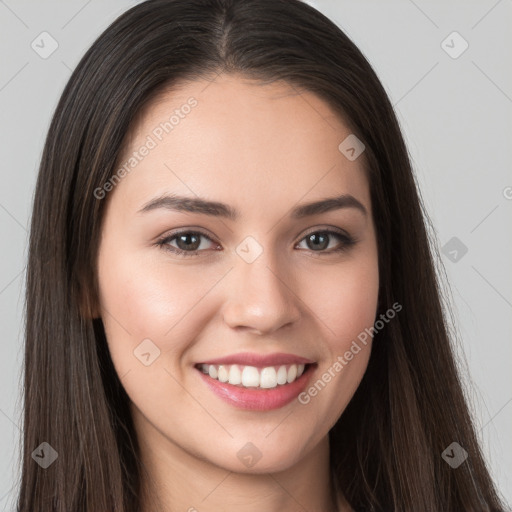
column 252, row 377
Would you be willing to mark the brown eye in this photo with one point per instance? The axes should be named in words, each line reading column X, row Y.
column 319, row 241
column 188, row 243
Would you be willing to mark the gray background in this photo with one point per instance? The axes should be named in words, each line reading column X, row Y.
column 455, row 114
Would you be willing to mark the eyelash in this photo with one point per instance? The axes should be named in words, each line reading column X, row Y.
column 346, row 242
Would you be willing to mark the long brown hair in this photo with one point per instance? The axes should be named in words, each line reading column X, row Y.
column 386, row 447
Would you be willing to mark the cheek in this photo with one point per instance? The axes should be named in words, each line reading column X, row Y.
column 141, row 300
column 344, row 299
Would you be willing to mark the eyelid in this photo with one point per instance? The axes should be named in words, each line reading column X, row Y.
column 347, row 239
column 162, row 240
column 323, row 229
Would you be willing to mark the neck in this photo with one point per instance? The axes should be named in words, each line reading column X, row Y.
column 175, row 479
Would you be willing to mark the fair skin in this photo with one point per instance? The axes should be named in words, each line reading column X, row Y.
column 263, row 150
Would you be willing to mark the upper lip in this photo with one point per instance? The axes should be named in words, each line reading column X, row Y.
column 263, row 360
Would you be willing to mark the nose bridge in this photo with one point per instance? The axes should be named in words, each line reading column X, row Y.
column 260, row 297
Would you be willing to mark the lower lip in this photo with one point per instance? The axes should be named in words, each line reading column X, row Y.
column 256, row 399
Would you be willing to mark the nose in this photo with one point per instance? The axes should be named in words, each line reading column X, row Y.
column 261, row 297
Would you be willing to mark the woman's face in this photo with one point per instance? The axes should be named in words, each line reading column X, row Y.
column 259, row 282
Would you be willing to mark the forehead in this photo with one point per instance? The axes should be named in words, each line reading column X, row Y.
column 233, row 139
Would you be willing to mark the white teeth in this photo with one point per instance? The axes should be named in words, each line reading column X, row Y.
column 281, row 375
column 235, row 375
column 223, row 375
column 292, row 373
column 268, row 378
column 252, row 377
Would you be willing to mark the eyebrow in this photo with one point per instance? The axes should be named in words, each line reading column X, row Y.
column 217, row 209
